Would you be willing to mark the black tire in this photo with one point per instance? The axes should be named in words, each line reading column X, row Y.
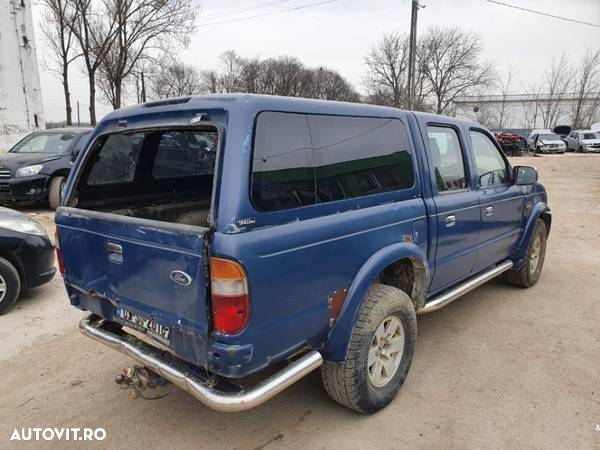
column 9, row 278
column 54, row 191
column 580, row 149
column 349, row 383
column 526, row 276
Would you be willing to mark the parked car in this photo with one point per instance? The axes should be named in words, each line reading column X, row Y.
column 241, row 231
column 26, row 256
column 534, row 132
column 511, row 143
column 562, row 131
column 35, row 168
column 584, row 141
column 547, row 143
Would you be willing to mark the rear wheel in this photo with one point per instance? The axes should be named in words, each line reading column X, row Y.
column 10, row 285
column 54, row 191
column 379, row 355
column 530, row 272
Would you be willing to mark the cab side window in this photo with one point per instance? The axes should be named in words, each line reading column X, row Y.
column 446, row 159
column 283, row 174
column 492, row 169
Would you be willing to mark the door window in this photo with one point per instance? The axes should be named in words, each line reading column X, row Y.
column 492, row 169
column 446, row 159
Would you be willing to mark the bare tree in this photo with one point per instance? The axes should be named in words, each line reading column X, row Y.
column 387, row 65
column 504, row 85
column 592, row 111
column 142, row 26
column 284, row 75
column 94, row 34
column 60, row 39
column 556, row 82
column 587, row 89
column 231, row 65
column 452, row 65
column 533, row 105
column 174, row 79
column 326, row 84
column 210, row 81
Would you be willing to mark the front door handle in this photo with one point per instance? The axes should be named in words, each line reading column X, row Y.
column 450, row 220
column 489, row 211
column 114, row 248
column 115, row 252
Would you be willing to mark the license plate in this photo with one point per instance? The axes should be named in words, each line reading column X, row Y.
column 149, row 326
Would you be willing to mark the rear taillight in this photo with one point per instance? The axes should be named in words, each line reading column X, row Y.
column 229, row 295
column 59, row 258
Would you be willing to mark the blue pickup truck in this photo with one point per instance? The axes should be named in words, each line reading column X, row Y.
column 212, row 237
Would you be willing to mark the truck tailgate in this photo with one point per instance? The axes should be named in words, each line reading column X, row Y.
column 152, row 269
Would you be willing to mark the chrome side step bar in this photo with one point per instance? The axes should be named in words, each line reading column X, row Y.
column 155, row 360
column 448, row 297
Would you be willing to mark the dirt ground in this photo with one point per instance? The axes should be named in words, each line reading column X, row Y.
column 502, row 367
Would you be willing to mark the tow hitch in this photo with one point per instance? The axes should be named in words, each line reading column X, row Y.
column 144, row 383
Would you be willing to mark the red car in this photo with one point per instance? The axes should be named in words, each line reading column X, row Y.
column 512, row 143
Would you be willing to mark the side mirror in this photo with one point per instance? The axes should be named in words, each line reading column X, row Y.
column 525, row 175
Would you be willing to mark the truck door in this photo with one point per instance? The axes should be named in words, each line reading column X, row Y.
column 501, row 201
column 457, row 206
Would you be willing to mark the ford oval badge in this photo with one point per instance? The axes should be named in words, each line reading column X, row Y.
column 181, row 278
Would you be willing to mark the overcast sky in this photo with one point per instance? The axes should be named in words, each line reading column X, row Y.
column 339, row 34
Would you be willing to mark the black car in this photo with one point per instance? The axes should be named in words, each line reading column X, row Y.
column 26, row 256
column 35, row 168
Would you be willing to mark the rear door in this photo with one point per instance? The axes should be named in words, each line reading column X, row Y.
column 457, row 206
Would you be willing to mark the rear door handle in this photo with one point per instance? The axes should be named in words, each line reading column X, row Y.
column 489, row 210
column 450, row 220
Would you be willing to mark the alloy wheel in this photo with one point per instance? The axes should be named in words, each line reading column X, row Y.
column 385, row 352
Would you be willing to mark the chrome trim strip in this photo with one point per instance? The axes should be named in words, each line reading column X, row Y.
column 454, row 294
column 217, row 400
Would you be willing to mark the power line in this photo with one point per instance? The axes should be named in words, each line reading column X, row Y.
column 236, row 11
column 581, row 22
column 268, row 13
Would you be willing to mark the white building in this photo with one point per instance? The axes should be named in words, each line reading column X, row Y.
column 526, row 110
column 21, row 108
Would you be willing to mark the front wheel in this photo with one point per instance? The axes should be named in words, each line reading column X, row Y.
column 10, row 285
column 531, row 269
column 55, row 190
column 379, row 355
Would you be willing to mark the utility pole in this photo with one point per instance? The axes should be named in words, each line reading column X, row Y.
column 412, row 57
column 143, row 88
column 78, row 117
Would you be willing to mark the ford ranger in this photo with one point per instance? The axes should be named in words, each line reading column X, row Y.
column 213, row 237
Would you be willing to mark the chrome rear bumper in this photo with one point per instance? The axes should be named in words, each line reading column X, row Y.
column 155, row 360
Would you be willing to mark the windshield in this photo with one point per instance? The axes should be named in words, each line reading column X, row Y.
column 44, row 142
column 549, row 137
column 591, row 136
